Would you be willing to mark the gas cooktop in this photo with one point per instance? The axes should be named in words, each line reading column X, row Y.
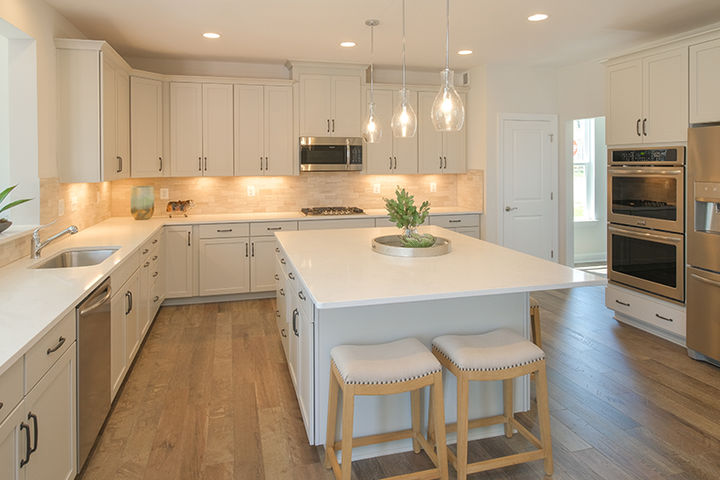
column 332, row 211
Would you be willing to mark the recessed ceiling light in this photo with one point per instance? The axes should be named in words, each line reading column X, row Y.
column 347, row 44
column 538, row 17
column 211, row 35
column 464, row 52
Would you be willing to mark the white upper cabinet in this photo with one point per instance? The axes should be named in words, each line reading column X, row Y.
column 390, row 154
column 439, row 152
column 647, row 99
column 146, row 128
column 330, row 105
column 264, row 130
column 704, row 82
column 201, row 129
column 93, row 112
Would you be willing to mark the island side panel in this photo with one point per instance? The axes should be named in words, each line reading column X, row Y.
column 424, row 320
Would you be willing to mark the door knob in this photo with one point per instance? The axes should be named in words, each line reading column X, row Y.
column 510, row 209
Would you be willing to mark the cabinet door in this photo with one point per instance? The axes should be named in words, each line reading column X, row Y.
column 178, row 262
column 249, row 124
column 122, row 138
column 379, row 155
column 186, row 129
column 704, row 81
column 144, row 301
column 12, row 445
column 305, row 369
column 454, row 156
column 279, row 140
column 347, row 107
column 405, row 150
column 217, row 106
column 146, row 128
column 624, row 103
column 118, row 330
column 281, row 313
column 133, row 327
column 293, row 334
column 262, row 264
column 666, row 97
column 224, row 266
column 51, row 408
column 315, row 105
column 430, row 141
column 112, row 164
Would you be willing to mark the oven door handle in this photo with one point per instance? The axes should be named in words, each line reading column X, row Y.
column 643, row 171
column 643, row 234
column 706, row 280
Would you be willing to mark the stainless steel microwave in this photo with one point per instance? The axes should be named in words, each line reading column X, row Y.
column 330, row 154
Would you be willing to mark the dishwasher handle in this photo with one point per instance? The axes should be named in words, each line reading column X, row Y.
column 95, row 305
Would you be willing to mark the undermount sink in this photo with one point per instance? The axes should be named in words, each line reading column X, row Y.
column 84, row 257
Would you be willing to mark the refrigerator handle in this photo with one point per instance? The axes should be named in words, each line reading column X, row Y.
column 705, row 280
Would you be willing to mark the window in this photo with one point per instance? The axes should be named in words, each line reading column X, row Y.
column 584, row 170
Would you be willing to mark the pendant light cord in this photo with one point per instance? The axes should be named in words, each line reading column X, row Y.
column 403, row 46
column 447, row 35
column 372, row 61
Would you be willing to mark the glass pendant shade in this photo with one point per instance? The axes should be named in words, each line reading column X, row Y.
column 448, row 112
column 404, row 120
column 372, row 131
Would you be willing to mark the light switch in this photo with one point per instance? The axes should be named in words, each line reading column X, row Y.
column 164, row 194
column 376, row 188
column 251, row 190
column 433, row 187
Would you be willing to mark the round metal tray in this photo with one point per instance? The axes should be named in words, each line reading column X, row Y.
column 391, row 245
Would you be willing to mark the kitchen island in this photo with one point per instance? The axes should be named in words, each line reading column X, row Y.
column 334, row 289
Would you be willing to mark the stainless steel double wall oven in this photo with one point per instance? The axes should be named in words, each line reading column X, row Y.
column 646, row 216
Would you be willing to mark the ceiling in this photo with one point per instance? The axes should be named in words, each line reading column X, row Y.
column 272, row 31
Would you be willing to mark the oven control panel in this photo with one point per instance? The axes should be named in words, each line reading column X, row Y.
column 648, row 156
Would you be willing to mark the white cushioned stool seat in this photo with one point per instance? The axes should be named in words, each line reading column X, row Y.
column 392, row 362
column 496, row 350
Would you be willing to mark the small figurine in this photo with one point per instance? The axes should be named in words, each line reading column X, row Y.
column 181, row 206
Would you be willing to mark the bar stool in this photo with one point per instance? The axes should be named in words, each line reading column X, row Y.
column 535, row 321
column 385, row 369
column 498, row 355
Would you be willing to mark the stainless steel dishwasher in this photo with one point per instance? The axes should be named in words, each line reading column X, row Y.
column 93, row 375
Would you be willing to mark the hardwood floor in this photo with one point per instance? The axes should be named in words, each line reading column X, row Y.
column 210, row 397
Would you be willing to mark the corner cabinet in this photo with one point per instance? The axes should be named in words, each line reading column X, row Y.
column 439, row 152
column 146, row 128
column 704, row 81
column 390, row 154
column 264, row 143
column 93, row 112
column 647, row 99
column 330, row 105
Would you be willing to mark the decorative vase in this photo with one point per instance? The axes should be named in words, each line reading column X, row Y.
column 4, row 224
column 142, row 202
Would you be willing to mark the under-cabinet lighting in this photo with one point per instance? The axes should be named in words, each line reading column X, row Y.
column 538, row 17
column 464, row 52
column 347, row 44
column 211, row 35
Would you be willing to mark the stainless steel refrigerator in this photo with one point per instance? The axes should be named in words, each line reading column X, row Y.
column 703, row 243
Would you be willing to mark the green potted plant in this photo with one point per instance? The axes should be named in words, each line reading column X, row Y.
column 4, row 222
column 408, row 217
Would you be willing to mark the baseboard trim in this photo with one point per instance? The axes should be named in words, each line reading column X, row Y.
column 235, row 297
column 590, row 257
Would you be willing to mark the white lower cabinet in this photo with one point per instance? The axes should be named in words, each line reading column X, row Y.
column 224, row 265
column 124, row 334
column 262, row 264
column 9, row 440
column 648, row 313
column 179, row 266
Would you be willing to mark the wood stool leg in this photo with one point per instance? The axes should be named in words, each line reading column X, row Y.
column 535, row 323
column 415, row 412
column 437, row 414
column 508, row 406
column 431, row 423
column 462, row 426
column 541, row 388
column 331, row 419
column 347, row 431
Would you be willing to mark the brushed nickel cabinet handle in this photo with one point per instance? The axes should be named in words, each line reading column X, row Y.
column 333, row 125
column 328, row 130
column 282, row 260
column 57, row 346
column 145, row 250
column 146, row 264
column 189, row 238
column 277, row 277
column 119, row 159
column 155, row 257
column 282, row 292
column 622, row 303
column 291, row 276
column 199, row 164
column 161, row 164
column 277, row 250
column 155, row 299
column 224, row 230
column 301, row 295
column 154, row 241
column 273, row 229
column 644, row 125
column 261, row 167
column 24, row 461
column 664, row 318
column 283, row 333
column 637, row 127
column 155, row 274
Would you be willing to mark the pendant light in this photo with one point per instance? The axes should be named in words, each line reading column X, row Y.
column 404, row 120
column 372, row 130
column 448, row 112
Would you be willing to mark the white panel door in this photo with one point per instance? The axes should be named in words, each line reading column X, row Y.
column 405, row 150
column 146, row 128
column 186, row 133
column 624, row 103
column 278, row 125
column 217, row 108
column 347, row 102
column 315, row 105
column 112, row 164
column 224, row 266
column 529, row 166
column 430, row 141
column 262, row 264
column 178, row 256
column 249, row 126
column 665, row 97
column 704, row 81
column 379, row 155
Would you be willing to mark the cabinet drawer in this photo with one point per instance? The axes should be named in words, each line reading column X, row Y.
column 224, row 230
column 473, row 232
column 336, row 223
column 150, row 246
column 46, row 352
column 662, row 315
column 260, row 229
column 452, row 221
column 11, row 388
column 124, row 270
column 302, row 299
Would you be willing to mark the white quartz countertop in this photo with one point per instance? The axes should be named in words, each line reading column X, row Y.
column 340, row 269
column 34, row 300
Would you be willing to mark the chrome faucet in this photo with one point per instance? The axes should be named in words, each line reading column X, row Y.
column 37, row 245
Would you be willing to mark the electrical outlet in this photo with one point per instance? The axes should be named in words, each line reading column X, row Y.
column 251, row 190
column 164, row 194
column 61, row 207
column 376, row 188
column 433, row 187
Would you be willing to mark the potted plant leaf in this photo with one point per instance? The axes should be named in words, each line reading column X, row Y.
column 4, row 222
column 408, row 217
